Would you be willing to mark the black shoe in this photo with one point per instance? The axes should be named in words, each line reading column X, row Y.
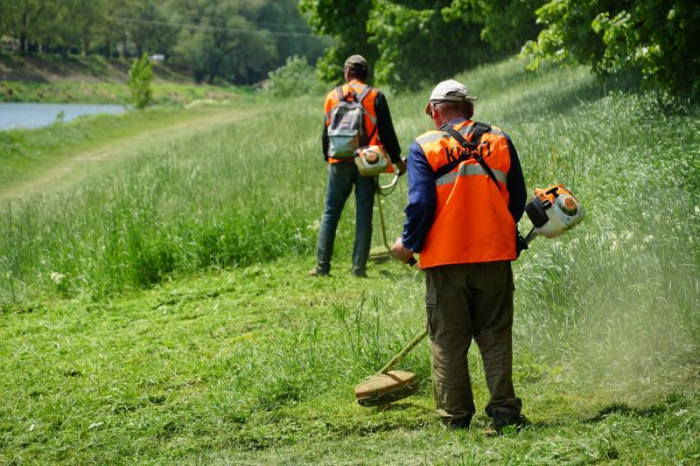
column 317, row 272
column 503, row 420
column 457, row 424
column 359, row 274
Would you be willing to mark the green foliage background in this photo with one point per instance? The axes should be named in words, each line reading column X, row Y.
column 237, row 41
column 658, row 38
column 417, row 42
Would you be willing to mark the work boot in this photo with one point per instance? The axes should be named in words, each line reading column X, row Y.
column 458, row 424
column 502, row 420
column 359, row 274
column 317, row 272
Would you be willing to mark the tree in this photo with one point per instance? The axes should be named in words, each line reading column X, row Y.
column 140, row 78
column 218, row 39
column 291, row 32
column 346, row 22
column 419, row 45
column 508, row 24
column 77, row 22
column 24, row 19
column 657, row 38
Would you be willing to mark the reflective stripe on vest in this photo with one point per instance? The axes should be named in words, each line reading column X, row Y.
column 472, row 222
column 466, row 170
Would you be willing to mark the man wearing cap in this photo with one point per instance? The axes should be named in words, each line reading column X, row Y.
column 343, row 173
column 466, row 193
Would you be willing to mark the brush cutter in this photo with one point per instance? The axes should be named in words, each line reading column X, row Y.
column 552, row 211
column 374, row 161
column 383, row 253
column 386, row 385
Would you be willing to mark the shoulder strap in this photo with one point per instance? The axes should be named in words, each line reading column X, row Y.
column 342, row 96
column 477, row 130
column 363, row 95
column 360, row 99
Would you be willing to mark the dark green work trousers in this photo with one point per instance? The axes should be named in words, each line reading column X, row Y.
column 466, row 301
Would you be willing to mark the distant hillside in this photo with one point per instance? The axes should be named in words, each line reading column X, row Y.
column 90, row 69
column 94, row 79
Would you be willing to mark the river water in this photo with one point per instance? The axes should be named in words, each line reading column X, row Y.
column 31, row 115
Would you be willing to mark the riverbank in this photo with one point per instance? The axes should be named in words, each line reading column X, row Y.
column 49, row 158
column 96, row 80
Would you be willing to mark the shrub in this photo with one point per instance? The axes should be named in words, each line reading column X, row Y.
column 140, row 78
column 296, row 77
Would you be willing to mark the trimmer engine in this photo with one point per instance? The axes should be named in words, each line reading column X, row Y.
column 373, row 160
column 552, row 211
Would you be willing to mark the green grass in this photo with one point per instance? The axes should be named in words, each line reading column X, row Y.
column 257, row 365
column 161, row 313
column 94, row 79
column 164, row 94
column 26, row 154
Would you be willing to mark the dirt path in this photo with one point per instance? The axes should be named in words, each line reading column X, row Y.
column 76, row 167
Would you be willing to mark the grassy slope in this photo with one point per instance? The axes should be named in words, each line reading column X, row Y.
column 257, row 363
column 93, row 79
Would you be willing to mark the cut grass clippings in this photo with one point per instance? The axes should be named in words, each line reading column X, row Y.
column 255, row 365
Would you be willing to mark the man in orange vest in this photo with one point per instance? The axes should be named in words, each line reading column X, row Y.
column 466, row 193
column 376, row 129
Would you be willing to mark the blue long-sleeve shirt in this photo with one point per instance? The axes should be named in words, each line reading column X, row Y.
column 422, row 195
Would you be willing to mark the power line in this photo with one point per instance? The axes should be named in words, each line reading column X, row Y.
column 209, row 28
column 260, row 23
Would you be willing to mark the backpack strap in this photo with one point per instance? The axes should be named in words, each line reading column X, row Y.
column 342, row 96
column 360, row 99
column 363, row 95
column 476, row 131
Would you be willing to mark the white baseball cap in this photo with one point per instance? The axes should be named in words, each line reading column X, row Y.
column 449, row 90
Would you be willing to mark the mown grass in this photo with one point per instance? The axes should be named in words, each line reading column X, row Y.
column 257, row 365
column 216, row 362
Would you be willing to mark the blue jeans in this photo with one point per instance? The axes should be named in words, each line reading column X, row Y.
column 341, row 177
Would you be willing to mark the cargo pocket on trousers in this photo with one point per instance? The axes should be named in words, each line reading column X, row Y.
column 431, row 313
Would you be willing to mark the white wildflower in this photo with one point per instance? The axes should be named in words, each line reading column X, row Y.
column 56, row 277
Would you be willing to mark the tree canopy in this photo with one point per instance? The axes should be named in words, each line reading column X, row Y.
column 238, row 41
column 409, row 42
column 412, row 42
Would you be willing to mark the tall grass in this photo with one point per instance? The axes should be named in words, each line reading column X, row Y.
column 257, row 364
column 242, row 195
column 254, row 192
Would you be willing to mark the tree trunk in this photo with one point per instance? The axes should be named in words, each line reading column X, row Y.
column 86, row 43
column 23, row 45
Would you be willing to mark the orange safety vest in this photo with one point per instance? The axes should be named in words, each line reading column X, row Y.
column 472, row 222
column 332, row 100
